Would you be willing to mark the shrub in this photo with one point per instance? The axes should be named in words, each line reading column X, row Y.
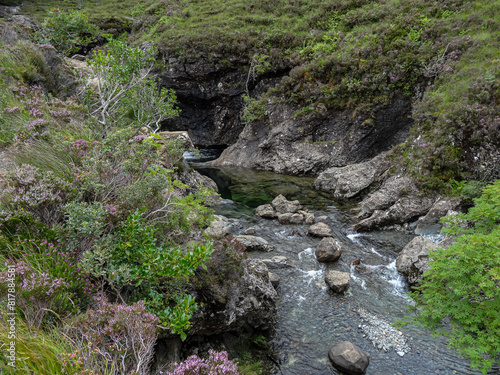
column 217, row 363
column 117, row 337
column 37, row 293
column 463, row 284
column 28, row 192
column 124, row 89
column 67, row 31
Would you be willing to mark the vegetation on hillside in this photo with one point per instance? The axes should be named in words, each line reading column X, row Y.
column 99, row 239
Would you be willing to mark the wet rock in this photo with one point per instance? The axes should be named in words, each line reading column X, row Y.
column 337, row 281
column 250, row 231
column 349, row 358
column 413, row 260
column 278, row 261
column 322, row 218
column 274, row 279
column 309, row 218
column 320, row 230
column 349, row 181
column 328, row 250
column 429, row 223
column 266, row 211
column 254, row 243
column 282, row 205
column 290, row 218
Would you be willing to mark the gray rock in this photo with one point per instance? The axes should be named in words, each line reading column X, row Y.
column 394, row 188
column 322, row 218
column 429, row 223
column 328, row 250
column 250, row 231
column 220, row 227
column 289, row 218
column 349, row 181
column 278, row 261
column 337, row 281
column 274, row 279
column 413, row 260
column 282, row 205
column 320, row 230
column 310, row 144
column 349, row 358
column 251, row 301
column 403, row 211
column 266, row 211
column 309, row 218
column 253, row 243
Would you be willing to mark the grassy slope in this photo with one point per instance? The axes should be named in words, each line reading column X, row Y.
column 350, row 54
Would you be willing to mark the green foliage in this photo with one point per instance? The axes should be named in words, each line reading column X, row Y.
column 67, row 31
column 463, row 284
column 118, row 86
column 254, row 109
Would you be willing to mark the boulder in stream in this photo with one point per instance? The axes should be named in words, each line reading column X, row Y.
column 283, row 205
column 289, row 218
column 349, row 358
column 337, row 281
column 266, row 211
column 254, row 243
column 328, row 250
column 320, row 230
column 429, row 223
column 413, row 260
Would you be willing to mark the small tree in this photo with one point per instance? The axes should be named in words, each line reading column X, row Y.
column 463, row 284
column 118, row 90
column 67, row 30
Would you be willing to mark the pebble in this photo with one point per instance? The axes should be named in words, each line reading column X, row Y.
column 382, row 335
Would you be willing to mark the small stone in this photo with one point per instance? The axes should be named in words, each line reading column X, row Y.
column 254, row 243
column 282, row 205
column 266, row 211
column 249, row 231
column 320, row 230
column 401, row 353
column 337, row 281
column 349, row 358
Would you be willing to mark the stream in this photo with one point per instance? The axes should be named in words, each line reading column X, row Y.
column 311, row 319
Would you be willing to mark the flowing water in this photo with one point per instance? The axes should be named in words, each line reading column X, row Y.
column 311, row 319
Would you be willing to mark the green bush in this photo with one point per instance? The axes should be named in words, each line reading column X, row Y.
column 67, row 31
column 463, row 284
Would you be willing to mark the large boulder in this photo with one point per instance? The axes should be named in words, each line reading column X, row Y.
column 337, row 281
column 349, row 358
column 429, row 223
column 320, row 230
column 405, row 210
column 250, row 301
column 253, row 243
column 413, row 260
column 328, row 250
column 394, row 188
column 349, row 181
column 283, row 205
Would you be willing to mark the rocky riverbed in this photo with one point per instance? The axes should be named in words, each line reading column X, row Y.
column 311, row 318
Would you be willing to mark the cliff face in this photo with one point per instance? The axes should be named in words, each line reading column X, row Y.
column 309, row 145
column 209, row 94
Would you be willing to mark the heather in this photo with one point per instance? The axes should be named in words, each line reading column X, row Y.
column 100, row 234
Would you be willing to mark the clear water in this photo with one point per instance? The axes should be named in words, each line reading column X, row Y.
column 311, row 318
